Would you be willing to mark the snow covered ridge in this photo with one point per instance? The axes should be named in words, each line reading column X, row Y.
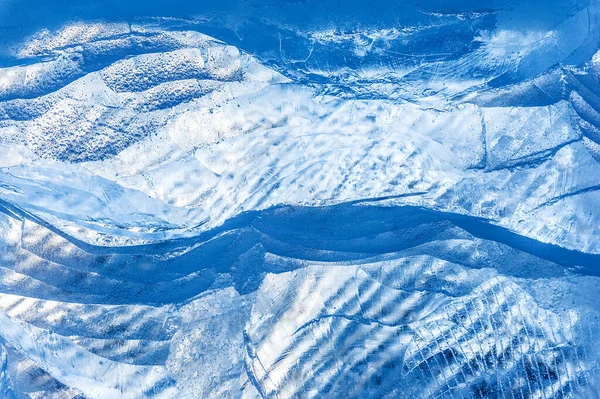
column 296, row 302
column 181, row 219
column 83, row 104
column 222, row 134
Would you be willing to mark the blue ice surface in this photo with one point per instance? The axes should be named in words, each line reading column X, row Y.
column 299, row 199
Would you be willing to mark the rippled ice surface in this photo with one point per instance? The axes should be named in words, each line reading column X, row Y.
column 300, row 199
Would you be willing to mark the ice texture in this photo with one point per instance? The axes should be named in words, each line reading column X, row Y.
column 299, row 199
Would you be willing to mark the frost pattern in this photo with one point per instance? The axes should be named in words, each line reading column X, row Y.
column 206, row 206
